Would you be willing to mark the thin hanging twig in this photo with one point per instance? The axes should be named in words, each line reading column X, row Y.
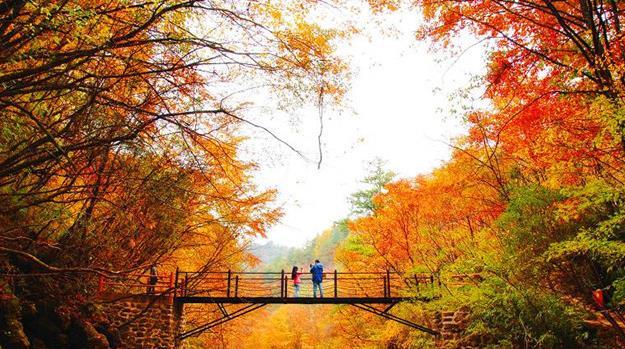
column 320, row 108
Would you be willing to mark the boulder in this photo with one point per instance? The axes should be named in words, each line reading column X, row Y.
column 83, row 335
column 95, row 339
column 12, row 335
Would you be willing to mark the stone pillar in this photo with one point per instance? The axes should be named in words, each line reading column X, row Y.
column 144, row 322
column 452, row 325
column 179, row 324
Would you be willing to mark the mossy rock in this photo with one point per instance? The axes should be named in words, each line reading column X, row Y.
column 12, row 335
column 113, row 335
column 84, row 336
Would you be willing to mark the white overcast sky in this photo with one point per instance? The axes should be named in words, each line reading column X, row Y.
column 397, row 109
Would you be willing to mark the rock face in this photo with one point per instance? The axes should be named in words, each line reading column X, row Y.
column 139, row 322
column 143, row 323
column 83, row 334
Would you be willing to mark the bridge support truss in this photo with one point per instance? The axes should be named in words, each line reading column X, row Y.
column 385, row 314
column 249, row 305
column 222, row 320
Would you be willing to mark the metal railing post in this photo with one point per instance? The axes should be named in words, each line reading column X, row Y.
column 186, row 284
column 336, row 292
column 282, row 284
column 228, row 288
column 388, row 283
column 385, row 294
column 176, row 283
column 236, row 286
column 170, row 285
column 100, row 285
column 286, row 286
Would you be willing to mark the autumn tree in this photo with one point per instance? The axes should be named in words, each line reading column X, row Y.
column 544, row 160
column 374, row 182
column 120, row 133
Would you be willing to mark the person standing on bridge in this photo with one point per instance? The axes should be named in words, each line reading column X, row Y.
column 317, row 277
column 297, row 280
column 153, row 279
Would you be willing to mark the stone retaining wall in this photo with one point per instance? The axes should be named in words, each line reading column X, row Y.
column 451, row 325
column 150, row 324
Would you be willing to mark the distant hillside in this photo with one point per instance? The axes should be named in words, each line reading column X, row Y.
column 322, row 247
column 269, row 252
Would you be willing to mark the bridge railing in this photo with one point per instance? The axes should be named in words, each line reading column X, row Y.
column 280, row 284
column 137, row 284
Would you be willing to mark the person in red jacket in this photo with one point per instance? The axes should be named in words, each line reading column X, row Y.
column 296, row 276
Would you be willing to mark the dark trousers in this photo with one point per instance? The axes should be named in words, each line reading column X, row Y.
column 153, row 281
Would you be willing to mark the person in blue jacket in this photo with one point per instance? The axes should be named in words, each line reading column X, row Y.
column 317, row 277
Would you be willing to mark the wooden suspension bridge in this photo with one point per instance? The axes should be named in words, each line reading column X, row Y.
column 373, row 292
